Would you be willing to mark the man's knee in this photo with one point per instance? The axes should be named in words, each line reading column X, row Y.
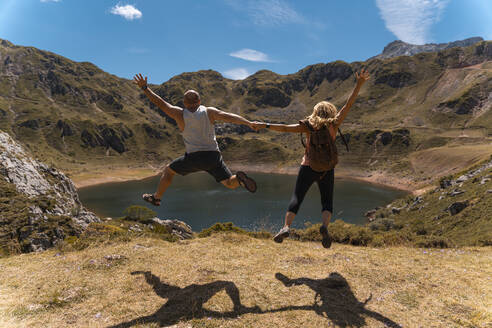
column 168, row 172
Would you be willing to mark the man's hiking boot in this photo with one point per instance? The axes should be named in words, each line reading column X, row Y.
column 326, row 241
column 283, row 233
column 246, row 181
column 150, row 198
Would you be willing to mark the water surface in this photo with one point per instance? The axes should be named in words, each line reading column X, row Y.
column 200, row 201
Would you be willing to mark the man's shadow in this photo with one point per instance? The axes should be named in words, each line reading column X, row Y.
column 334, row 300
column 187, row 303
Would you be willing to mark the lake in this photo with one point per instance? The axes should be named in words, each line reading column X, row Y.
column 200, row 201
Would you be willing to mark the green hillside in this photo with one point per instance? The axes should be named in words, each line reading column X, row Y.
column 413, row 109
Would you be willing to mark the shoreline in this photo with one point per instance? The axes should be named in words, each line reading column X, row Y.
column 136, row 174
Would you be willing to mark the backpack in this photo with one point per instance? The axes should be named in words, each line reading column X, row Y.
column 321, row 152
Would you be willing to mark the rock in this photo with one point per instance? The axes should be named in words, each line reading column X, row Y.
column 395, row 210
column 65, row 128
column 371, row 214
column 456, row 192
column 441, row 197
column 151, row 132
column 176, row 227
column 400, row 48
column 484, row 181
column 31, row 124
column 54, row 194
column 489, row 191
column 445, row 183
column 386, row 138
column 463, row 178
column 457, row 207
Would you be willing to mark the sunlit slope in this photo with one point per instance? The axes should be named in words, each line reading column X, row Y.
column 75, row 115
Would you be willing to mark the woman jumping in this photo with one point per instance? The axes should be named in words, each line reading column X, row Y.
column 324, row 120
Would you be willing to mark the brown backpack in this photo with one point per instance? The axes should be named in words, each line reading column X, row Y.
column 321, row 152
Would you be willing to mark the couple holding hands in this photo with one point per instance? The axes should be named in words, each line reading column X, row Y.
column 196, row 123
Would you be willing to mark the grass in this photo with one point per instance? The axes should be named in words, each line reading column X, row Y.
column 294, row 284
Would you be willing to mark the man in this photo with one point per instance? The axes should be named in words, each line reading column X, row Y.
column 196, row 123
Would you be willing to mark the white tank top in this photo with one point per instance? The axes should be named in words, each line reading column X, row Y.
column 198, row 133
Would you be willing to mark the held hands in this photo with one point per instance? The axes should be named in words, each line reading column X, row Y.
column 362, row 77
column 139, row 80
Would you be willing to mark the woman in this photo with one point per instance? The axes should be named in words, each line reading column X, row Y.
column 324, row 116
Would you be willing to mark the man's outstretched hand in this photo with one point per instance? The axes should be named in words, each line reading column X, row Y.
column 257, row 125
column 139, row 80
column 362, row 77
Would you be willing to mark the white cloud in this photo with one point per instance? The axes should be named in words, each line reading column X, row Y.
column 411, row 20
column 129, row 12
column 268, row 12
column 250, row 55
column 237, row 73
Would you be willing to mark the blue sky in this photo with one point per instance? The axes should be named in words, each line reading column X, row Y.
column 163, row 38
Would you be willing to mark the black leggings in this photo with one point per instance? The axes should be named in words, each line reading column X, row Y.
column 305, row 179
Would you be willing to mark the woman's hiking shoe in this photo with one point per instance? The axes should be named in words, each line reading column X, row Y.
column 283, row 233
column 326, row 241
column 149, row 198
column 246, row 181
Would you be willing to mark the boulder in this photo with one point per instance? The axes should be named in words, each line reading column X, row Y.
column 175, row 227
column 52, row 205
column 65, row 128
column 456, row 192
column 31, row 124
column 457, row 207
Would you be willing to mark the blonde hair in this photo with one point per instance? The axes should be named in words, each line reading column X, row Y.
column 324, row 114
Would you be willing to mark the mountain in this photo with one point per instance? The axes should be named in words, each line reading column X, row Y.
column 418, row 117
column 39, row 205
column 400, row 48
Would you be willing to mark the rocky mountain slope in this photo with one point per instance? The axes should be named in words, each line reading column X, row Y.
column 39, row 205
column 400, row 48
column 413, row 110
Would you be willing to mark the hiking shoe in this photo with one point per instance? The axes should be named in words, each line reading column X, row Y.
column 326, row 241
column 283, row 233
column 246, row 181
column 149, row 198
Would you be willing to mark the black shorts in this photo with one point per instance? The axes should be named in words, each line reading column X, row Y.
column 208, row 161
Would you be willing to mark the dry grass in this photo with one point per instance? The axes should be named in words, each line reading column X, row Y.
column 441, row 161
column 409, row 287
column 98, row 175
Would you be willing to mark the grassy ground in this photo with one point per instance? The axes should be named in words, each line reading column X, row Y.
column 295, row 284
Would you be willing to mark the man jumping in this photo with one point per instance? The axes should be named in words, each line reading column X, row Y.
column 196, row 123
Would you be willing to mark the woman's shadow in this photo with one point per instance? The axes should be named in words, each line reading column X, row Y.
column 334, row 300
column 187, row 303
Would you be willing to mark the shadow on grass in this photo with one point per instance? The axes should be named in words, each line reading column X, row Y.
column 335, row 301
column 187, row 303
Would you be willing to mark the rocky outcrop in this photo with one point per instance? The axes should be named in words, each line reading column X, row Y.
column 400, row 48
column 175, row 227
column 49, row 206
column 107, row 136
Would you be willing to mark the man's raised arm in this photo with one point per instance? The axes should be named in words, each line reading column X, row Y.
column 174, row 112
column 218, row 115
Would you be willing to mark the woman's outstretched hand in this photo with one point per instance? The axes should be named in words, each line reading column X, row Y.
column 362, row 77
column 139, row 80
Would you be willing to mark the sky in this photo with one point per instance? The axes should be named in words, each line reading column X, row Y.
column 164, row 38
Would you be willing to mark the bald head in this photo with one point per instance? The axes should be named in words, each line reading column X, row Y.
column 191, row 97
